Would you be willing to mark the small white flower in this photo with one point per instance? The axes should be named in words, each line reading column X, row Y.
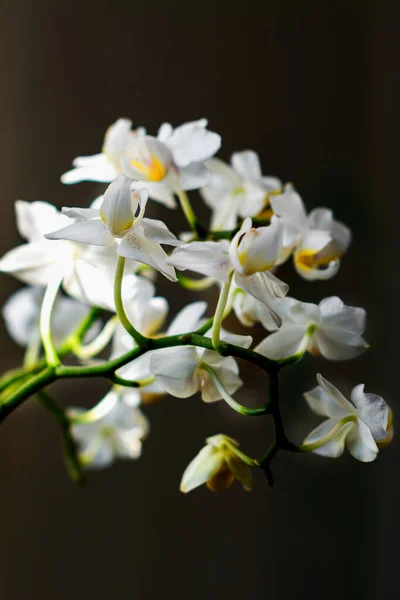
column 330, row 329
column 250, row 255
column 239, row 190
column 114, row 429
column 88, row 272
column 21, row 315
column 180, row 370
column 318, row 240
column 362, row 424
column 174, row 160
column 138, row 238
column 217, row 465
column 147, row 313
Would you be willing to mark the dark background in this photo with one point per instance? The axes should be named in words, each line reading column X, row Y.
column 314, row 88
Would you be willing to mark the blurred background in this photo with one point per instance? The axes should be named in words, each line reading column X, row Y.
column 314, row 88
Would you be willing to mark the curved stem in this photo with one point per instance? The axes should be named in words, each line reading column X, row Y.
column 328, row 437
column 220, row 313
column 49, row 298
column 70, row 449
column 119, row 307
column 243, row 410
column 189, row 214
column 99, row 343
column 107, row 369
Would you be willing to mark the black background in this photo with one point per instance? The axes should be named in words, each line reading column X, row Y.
column 314, row 88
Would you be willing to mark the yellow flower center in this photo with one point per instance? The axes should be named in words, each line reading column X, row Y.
column 153, row 170
column 309, row 259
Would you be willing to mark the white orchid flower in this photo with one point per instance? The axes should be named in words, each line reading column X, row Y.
column 87, row 271
column 363, row 424
column 114, row 429
column 318, row 240
column 217, row 465
column 174, row 160
column 182, row 371
column 330, row 329
column 250, row 256
column 148, row 314
column 138, row 238
column 21, row 315
column 239, row 190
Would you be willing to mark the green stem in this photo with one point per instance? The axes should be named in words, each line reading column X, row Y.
column 220, row 314
column 49, row 298
column 243, row 410
column 108, row 369
column 190, row 214
column 119, row 306
column 28, row 389
column 70, row 449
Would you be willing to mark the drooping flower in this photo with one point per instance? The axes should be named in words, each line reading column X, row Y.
column 181, row 370
column 139, row 239
column 87, row 271
column 21, row 315
column 250, row 256
column 362, row 424
column 330, row 329
column 217, row 465
column 114, row 429
column 174, row 160
column 317, row 240
column 239, row 190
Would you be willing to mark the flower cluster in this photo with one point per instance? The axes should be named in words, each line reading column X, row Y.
column 91, row 296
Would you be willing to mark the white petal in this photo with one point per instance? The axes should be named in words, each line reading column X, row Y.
column 21, row 314
column 34, row 219
column 192, row 142
column 332, row 347
column 335, row 447
column 290, row 207
column 371, row 409
column 116, row 138
column 175, row 370
column 161, row 191
column 224, row 181
column 334, row 393
column 361, row 444
column 207, row 258
column 324, row 405
column 118, row 208
column 86, row 232
column 91, row 168
column 34, row 263
column 206, row 464
column 157, row 231
column 287, row 341
column 194, row 176
column 263, row 286
column 258, row 249
column 89, row 283
column 188, row 319
column 247, row 164
column 137, row 247
column 81, row 214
